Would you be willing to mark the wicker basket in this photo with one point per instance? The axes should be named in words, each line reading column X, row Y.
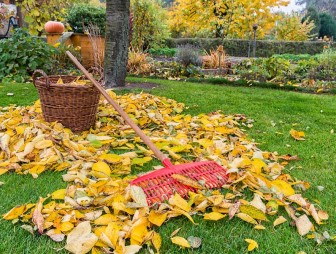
column 74, row 106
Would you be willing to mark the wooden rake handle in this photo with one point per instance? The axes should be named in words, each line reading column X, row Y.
column 128, row 120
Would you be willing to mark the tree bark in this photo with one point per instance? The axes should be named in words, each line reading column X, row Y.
column 116, row 42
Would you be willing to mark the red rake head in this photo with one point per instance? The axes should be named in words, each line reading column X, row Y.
column 159, row 185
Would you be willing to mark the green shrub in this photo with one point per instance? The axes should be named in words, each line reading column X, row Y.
column 264, row 48
column 81, row 16
column 163, row 52
column 326, row 68
column 175, row 70
column 292, row 57
column 252, row 69
column 21, row 54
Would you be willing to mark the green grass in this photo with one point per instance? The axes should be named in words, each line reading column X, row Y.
column 314, row 114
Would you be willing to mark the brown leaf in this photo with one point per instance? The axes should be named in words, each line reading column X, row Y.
column 289, row 157
column 233, row 210
column 38, row 219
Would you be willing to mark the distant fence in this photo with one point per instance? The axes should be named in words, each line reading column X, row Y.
column 264, row 48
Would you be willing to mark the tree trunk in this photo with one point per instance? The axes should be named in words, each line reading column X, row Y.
column 116, row 42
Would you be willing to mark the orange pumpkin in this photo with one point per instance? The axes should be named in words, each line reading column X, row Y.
column 54, row 27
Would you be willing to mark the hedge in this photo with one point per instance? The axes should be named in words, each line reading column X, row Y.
column 264, row 48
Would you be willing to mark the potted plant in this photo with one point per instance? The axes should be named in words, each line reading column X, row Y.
column 87, row 23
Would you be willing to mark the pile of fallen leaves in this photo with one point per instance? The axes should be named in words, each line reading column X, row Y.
column 100, row 211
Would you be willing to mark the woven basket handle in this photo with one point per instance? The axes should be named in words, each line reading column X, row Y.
column 44, row 75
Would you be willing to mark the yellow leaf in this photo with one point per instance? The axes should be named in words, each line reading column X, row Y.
column 174, row 233
column 43, row 144
column 297, row 135
column 214, row 216
column 81, row 240
column 229, row 196
column 100, row 169
column 59, row 194
column 257, row 165
column 252, row 244
column 110, row 158
column 59, row 81
column 141, row 161
column 178, row 201
column 254, row 212
column 3, row 171
column 138, row 234
column 156, row 241
column 178, row 240
column 279, row 221
column 272, row 207
column 216, row 199
column 283, row 187
column 105, row 219
column 66, row 226
column 157, row 218
column 138, row 195
column 181, row 212
column 14, row 213
column 259, row 227
column 246, row 218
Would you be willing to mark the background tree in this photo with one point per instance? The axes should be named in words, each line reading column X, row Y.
column 328, row 26
column 149, row 27
column 328, row 6
column 116, row 42
column 290, row 28
column 312, row 15
column 217, row 18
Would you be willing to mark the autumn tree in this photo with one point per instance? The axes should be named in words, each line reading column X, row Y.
column 218, row 18
column 290, row 28
column 116, row 42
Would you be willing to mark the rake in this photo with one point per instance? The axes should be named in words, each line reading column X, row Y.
column 160, row 184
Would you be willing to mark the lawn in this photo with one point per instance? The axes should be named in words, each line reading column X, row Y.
column 274, row 112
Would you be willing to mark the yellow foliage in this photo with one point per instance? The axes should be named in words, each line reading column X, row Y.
column 99, row 211
column 223, row 18
column 290, row 28
column 138, row 63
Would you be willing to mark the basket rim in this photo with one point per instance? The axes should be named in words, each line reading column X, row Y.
column 40, row 81
column 68, row 85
